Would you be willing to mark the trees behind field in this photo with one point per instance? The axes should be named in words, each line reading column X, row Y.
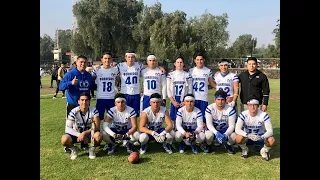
column 121, row 25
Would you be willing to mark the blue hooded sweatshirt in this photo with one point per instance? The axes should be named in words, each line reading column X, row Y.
column 85, row 83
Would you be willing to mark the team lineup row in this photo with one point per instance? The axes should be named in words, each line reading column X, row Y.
column 177, row 85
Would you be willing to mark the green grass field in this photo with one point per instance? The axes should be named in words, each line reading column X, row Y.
column 155, row 164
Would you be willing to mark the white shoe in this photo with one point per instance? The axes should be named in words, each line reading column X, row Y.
column 245, row 152
column 92, row 154
column 265, row 154
column 74, row 152
column 136, row 143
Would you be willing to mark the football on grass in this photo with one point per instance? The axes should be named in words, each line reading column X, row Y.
column 133, row 157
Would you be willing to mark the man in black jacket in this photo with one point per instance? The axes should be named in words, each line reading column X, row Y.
column 254, row 82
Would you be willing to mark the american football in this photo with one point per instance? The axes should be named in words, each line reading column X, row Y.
column 133, row 157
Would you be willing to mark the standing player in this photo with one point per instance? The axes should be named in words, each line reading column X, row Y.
column 123, row 120
column 189, row 121
column 179, row 83
column 202, row 77
column 254, row 127
column 228, row 82
column 78, row 127
column 154, row 81
column 151, row 125
column 106, row 80
column 129, row 72
column 220, row 122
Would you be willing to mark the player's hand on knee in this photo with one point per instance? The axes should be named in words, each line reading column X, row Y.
column 156, row 136
column 220, row 137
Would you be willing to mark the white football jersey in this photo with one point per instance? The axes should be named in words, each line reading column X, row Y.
column 200, row 82
column 155, row 122
column 220, row 119
column 225, row 82
column 189, row 119
column 106, row 82
column 255, row 124
column 153, row 81
column 121, row 120
column 179, row 83
column 130, row 83
column 83, row 120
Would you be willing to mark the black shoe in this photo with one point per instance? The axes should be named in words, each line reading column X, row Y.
column 229, row 148
column 205, row 147
column 268, row 156
column 67, row 150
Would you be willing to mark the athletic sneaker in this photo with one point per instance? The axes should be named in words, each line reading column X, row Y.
column 129, row 147
column 92, row 154
column 244, row 152
column 112, row 147
column 265, row 154
column 143, row 149
column 181, row 148
column 74, row 152
column 167, row 148
column 194, row 149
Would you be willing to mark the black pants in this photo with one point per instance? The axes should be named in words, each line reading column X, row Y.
column 69, row 108
column 53, row 78
column 57, row 90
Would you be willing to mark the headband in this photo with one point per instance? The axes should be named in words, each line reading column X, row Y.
column 155, row 99
column 120, row 99
column 223, row 63
column 190, row 98
column 131, row 54
column 253, row 101
column 219, row 96
column 151, row 57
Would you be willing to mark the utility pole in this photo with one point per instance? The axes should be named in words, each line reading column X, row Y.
column 74, row 28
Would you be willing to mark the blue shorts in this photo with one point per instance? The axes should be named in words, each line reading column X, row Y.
column 134, row 102
column 158, row 131
column 103, row 105
column 119, row 132
column 74, row 138
column 250, row 142
column 146, row 102
column 202, row 105
column 174, row 110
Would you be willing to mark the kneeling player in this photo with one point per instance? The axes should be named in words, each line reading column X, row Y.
column 151, row 127
column 220, row 119
column 79, row 127
column 123, row 121
column 254, row 127
column 189, row 121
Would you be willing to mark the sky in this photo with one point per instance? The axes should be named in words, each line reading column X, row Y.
column 255, row 17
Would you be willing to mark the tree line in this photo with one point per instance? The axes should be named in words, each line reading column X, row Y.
column 121, row 25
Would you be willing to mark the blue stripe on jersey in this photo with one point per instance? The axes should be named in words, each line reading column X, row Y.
column 132, row 111
column 199, row 116
column 232, row 112
column 179, row 115
column 118, row 66
column 110, row 113
column 131, row 115
column 241, row 116
column 208, row 110
column 95, row 112
column 71, row 116
column 235, row 78
column 266, row 117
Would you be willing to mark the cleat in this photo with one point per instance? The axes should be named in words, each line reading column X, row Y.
column 265, row 154
column 167, row 148
column 181, row 148
column 143, row 149
column 205, row 147
column 112, row 147
column 244, row 152
column 67, row 150
column 229, row 148
column 92, row 154
column 194, row 149
column 74, row 152
column 129, row 147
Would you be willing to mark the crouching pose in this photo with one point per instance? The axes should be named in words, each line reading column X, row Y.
column 82, row 126
column 151, row 127
column 120, row 125
column 254, row 127
column 220, row 123
column 189, row 122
